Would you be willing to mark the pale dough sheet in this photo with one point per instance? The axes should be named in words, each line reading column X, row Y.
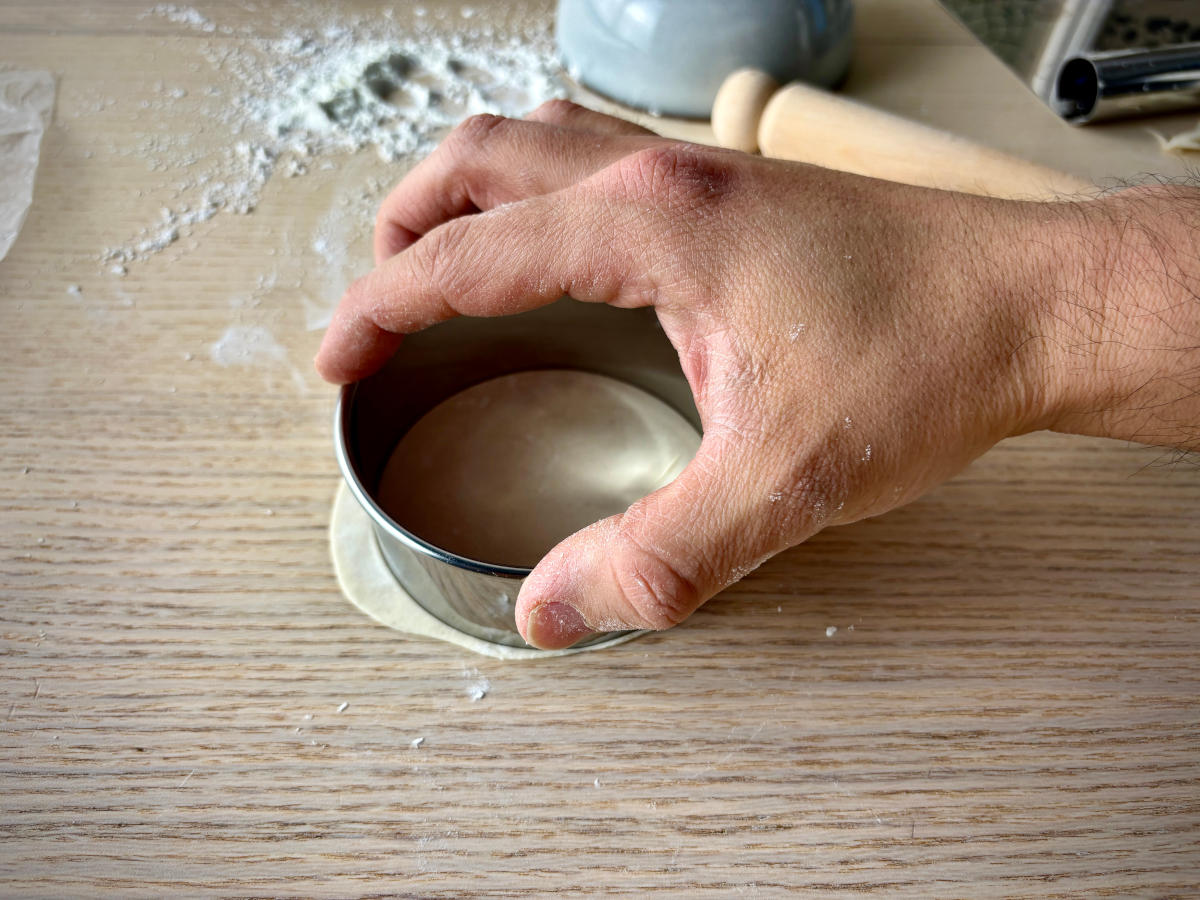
column 367, row 582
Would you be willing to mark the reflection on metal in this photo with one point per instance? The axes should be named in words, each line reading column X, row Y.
column 1095, row 59
column 435, row 364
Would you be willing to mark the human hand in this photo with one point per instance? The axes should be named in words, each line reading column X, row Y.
column 850, row 343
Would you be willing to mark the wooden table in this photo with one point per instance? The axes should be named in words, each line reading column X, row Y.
column 1008, row 705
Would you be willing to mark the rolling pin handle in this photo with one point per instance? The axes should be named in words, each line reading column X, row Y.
column 738, row 108
column 807, row 124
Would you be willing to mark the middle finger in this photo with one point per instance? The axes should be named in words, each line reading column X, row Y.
column 488, row 161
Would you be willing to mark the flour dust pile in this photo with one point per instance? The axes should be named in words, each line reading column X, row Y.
column 289, row 103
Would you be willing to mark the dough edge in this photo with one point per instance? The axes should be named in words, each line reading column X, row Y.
column 369, row 585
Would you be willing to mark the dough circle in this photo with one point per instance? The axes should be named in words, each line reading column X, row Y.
column 368, row 584
column 501, row 472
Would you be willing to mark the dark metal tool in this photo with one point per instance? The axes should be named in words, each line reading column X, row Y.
column 1095, row 59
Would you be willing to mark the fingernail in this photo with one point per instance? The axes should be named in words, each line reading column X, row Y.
column 555, row 626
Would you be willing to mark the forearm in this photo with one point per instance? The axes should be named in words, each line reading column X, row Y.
column 1121, row 315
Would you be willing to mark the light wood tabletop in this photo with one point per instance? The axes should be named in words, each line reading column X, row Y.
column 1007, row 707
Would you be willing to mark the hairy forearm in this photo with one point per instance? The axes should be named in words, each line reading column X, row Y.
column 1121, row 301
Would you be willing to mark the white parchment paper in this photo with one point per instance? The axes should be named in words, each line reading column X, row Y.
column 26, row 103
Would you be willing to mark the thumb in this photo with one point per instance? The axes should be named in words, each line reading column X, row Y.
column 656, row 563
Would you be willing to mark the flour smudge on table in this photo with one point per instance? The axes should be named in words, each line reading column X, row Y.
column 246, row 345
column 338, row 85
column 253, row 345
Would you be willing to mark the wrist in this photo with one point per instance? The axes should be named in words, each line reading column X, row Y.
column 1120, row 311
column 1009, row 258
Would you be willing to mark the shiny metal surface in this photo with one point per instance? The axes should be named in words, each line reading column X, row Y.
column 473, row 596
column 1128, row 82
column 1090, row 60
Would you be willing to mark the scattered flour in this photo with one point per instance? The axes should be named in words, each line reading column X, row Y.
column 246, row 345
column 341, row 241
column 477, row 685
column 831, row 631
column 253, row 345
column 415, row 743
column 397, row 83
column 182, row 15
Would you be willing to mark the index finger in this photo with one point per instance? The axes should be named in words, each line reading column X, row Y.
column 509, row 260
column 488, row 161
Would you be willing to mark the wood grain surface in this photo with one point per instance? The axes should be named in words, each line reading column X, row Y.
column 1008, row 705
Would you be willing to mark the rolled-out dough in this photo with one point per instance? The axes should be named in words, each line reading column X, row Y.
column 367, row 583
column 501, row 472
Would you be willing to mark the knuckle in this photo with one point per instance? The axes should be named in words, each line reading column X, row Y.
column 556, row 111
column 390, row 233
column 383, row 215
column 386, row 216
column 438, row 255
column 674, row 175
column 654, row 592
column 815, row 488
column 448, row 263
column 476, row 131
column 642, row 175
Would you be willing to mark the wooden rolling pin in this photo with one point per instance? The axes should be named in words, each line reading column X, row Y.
column 811, row 125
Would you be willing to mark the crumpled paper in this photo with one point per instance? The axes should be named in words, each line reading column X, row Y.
column 1187, row 141
column 26, row 102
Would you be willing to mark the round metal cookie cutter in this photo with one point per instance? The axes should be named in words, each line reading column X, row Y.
column 433, row 365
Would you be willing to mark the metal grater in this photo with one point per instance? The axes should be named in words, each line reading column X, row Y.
column 1094, row 59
